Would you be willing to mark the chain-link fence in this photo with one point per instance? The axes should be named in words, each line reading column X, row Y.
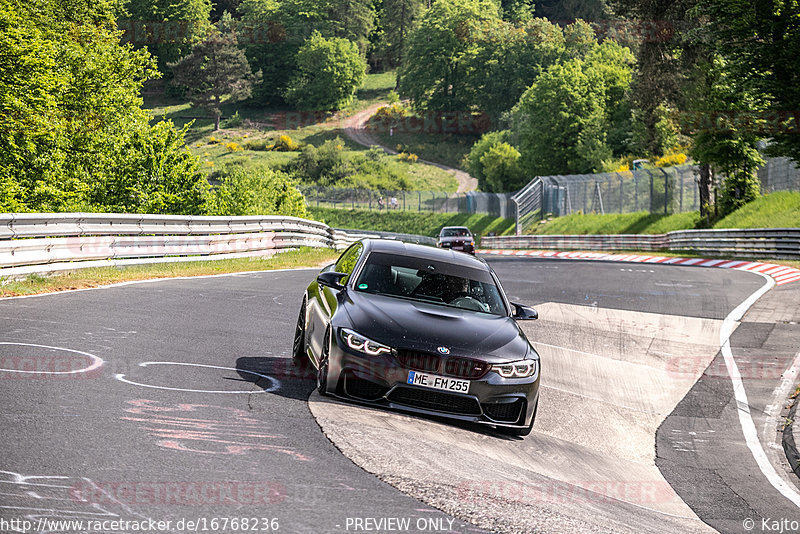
column 496, row 204
column 779, row 174
column 661, row 190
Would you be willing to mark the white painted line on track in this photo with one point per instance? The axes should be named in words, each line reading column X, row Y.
column 275, row 382
column 98, row 362
column 740, row 395
column 152, row 280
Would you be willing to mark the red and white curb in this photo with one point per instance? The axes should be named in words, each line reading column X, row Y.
column 780, row 273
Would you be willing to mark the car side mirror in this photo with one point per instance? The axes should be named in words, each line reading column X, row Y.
column 331, row 279
column 524, row 313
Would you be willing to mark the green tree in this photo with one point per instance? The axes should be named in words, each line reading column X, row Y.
column 502, row 169
column 168, row 28
column 760, row 44
column 256, row 190
column 474, row 160
column 399, row 19
column 562, row 120
column 215, row 70
column 352, row 20
column 71, row 124
column 328, row 73
column 507, row 61
column 727, row 146
column 435, row 72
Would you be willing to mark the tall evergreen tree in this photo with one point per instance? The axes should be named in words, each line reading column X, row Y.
column 215, row 69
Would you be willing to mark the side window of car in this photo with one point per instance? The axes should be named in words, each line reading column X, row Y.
column 347, row 261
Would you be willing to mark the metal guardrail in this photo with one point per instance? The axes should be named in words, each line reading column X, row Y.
column 777, row 243
column 407, row 238
column 48, row 242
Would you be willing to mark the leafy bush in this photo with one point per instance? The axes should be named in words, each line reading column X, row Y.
column 259, row 144
column 671, row 160
column 329, row 72
column 474, row 162
column 255, row 191
column 329, row 167
column 234, row 121
column 286, row 144
column 411, row 158
column 501, row 168
column 233, row 147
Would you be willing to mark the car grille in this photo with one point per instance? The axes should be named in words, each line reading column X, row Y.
column 363, row 389
column 435, row 400
column 419, row 361
column 507, row 412
column 465, row 368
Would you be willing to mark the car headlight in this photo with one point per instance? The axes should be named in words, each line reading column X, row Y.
column 518, row 369
column 363, row 344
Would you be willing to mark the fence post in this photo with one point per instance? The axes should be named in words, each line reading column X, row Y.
column 404, row 201
column 651, row 190
column 353, row 199
column 635, row 192
column 585, row 194
column 620, row 193
column 666, row 189
column 419, row 195
column 680, row 205
column 317, row 190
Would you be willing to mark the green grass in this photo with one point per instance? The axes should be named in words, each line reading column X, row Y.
column 448, row 149
column 622, row 223
column 411, row 222
column 94, row 277
column 265, row 125
column 776, row 210
column 376, row 88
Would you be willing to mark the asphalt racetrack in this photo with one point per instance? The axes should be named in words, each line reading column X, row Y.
column 173, row 406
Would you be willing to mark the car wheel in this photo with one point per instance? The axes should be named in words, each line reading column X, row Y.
column 520, row 432
column 299, row 345
column 322, row 371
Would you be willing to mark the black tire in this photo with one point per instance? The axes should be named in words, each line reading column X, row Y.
column 299, row 344
column 322, row 370
column 520, row 432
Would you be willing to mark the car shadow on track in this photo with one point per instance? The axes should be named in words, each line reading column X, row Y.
column 298, row 380
column 291, row 380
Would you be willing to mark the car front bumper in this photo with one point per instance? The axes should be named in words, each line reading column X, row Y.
column 382, row 381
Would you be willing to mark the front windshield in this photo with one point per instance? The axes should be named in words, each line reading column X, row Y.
column 455, row 232
column 429, row 281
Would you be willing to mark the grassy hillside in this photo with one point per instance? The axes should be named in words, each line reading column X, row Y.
column 776, row 210
column 411, row 222
column 618, row 223
column 247, row 129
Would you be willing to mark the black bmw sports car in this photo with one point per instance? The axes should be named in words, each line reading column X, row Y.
column 420, row 329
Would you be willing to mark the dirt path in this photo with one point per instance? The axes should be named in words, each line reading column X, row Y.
column 355, row 130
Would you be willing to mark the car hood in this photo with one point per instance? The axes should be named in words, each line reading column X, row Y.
column 406, row 324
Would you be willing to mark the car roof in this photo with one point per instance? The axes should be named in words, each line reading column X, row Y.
column 455, row 228
column 423, row 251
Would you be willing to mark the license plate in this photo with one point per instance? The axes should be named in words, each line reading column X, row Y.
column 437, row 382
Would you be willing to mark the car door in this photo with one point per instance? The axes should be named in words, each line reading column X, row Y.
column 323, row 303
